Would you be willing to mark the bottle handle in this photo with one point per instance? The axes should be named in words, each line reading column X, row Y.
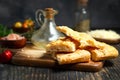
column 39, row 16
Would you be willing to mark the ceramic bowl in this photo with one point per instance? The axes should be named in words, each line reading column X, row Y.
column 13, row 43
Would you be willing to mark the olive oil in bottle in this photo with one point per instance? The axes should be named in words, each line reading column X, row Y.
column 48, row 31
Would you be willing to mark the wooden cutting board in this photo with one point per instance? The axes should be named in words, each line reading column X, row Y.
column 30, row 56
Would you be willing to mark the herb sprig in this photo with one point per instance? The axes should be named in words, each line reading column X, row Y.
column 4, row 30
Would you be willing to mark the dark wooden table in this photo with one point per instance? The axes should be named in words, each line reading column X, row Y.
column 110, row 71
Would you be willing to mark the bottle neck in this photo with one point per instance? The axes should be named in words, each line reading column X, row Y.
column 80, row 7
column 81, row 14
column 49, row 22
column 49, row 19
column 82, row 2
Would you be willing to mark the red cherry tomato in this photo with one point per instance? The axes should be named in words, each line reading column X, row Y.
column 6, row 56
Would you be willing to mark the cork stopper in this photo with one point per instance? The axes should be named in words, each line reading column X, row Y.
column 83, row 2
column 50, row 12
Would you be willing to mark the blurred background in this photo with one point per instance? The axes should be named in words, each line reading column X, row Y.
column 103, row 13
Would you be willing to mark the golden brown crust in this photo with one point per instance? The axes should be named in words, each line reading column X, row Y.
column 83, row 38
column 61, row 45
column 79, row 47
column 75, row 57
column 105, row 53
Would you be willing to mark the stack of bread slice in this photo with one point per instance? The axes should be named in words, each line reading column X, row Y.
column 79, row 47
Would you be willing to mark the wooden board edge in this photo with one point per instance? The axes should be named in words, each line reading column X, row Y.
column 91, row 66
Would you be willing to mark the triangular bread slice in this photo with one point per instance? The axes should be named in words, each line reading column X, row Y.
column 105, row 53
column 75, row 57
column 83, row 38
column 63, row 44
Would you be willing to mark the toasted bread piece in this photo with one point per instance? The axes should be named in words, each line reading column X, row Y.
column 61, row 45
column 75, row 57
column 105, row 53
column 83, row 38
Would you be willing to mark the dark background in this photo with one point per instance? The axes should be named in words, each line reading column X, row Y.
column 103, row 13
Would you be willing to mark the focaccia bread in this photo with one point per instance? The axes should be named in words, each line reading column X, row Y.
column 105, row 53
column 75, row 57
column 64, row 44
column 79, row 47
column 83, row 38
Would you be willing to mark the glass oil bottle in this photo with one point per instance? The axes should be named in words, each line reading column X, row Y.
column 82, row 18
column 48, row 31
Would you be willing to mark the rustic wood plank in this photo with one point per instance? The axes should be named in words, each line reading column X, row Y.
column 44, row 60
column 110, row 71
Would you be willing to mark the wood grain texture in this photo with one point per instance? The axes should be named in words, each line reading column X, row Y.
column 110, row 71
column 51, row 63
